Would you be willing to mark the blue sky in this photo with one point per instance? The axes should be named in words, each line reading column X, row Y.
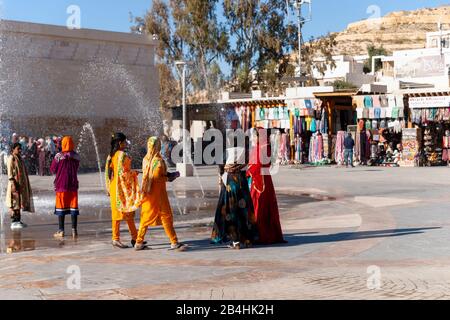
column 113, row 15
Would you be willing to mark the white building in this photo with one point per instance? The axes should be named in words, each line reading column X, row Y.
column 349, row 69
column 419, row 68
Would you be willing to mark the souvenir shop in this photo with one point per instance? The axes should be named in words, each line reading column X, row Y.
column 341, row 119
column 430, row 115
column 309, row 120
column 267, row 114
column 381, row 120
column 302, row 127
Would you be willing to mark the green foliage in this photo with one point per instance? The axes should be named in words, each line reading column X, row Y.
column 373, row 51
column 255, row 40
column 320, row 47
column 262, row 41
column 343, row 85
column 187, row 30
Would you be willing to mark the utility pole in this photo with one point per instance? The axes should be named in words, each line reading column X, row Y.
column 297, row 4
column 184, row 168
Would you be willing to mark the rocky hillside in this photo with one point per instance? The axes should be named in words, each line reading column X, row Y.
column 396, row 31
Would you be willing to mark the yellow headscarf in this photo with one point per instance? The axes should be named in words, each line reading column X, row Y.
column 149, row 164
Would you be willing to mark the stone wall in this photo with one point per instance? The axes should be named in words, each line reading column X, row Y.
column 54, row 80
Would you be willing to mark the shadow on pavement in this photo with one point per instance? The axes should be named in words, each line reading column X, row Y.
column 300, row 238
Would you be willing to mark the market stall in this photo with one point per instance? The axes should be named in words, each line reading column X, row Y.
column 380, row 122
column 430, row 112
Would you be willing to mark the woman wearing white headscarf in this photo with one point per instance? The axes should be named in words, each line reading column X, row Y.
column 235, row 221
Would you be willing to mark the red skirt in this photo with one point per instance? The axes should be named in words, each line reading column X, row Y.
column 66, row 203
column 267, row 214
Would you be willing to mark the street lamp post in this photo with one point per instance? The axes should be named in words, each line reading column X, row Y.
column 297, row 4
column 184, row 168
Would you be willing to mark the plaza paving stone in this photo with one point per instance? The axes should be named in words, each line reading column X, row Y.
column 339, row 222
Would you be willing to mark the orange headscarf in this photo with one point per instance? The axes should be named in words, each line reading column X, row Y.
column 67, row 144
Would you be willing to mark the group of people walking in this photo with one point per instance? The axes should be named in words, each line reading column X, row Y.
column 247, row 211
column 126, row 195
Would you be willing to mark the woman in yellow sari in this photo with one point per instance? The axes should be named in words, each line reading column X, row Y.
column 156, row 208
column 123, row 188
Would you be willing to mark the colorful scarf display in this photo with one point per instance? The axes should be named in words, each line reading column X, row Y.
column 339, row 148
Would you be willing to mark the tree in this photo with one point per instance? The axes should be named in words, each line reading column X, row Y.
column 317, row 55
column 187, row 30
column 262, row 40
column 373, row 51
column 170, row 48
column 342, row 85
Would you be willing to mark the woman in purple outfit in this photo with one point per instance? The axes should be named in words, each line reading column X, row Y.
column 65, row 166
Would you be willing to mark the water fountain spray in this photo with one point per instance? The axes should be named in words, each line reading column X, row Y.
column 88, row 127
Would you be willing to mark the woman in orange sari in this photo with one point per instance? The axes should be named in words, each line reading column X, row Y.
column 156, row 208
column 123, row 188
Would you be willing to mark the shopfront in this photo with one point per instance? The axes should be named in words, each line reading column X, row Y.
column 430, row 118
column 381, row 120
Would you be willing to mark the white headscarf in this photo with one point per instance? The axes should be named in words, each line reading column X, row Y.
column 235, row 156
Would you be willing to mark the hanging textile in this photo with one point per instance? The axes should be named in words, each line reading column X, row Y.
column 339, row 148
column 368, row 102
column 308, row 104
column 298, row 149
column 376, row 101
column 359, row 101
column 313, row 125
column 359, row 113
column 282, row 149
column 374, row 124
column 384, row 101
column 324, row 122
column 316, row 148
column 308, row 123
column 392, row 101
column 363, row 147
column 258, row 114
column 326, row 145
column 399, row 101
column 276, row 113
column 253, row 120
column 446, row 116
column 267, row 113
column 377, row 113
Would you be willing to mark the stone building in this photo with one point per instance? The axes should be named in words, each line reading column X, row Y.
column 55, row 80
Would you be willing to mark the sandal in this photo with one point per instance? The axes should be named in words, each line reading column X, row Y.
column 178, row 246
column 235, row 245
column 141, row 246
column 118, row 244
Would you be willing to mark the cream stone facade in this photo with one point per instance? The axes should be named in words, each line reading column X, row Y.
column 53, row 80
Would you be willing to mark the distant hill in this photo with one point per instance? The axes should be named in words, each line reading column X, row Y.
column 396, row 31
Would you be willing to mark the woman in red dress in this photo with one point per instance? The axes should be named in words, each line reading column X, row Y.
column 262, row 190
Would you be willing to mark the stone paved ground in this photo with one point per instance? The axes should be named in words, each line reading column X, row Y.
column 366, row 233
